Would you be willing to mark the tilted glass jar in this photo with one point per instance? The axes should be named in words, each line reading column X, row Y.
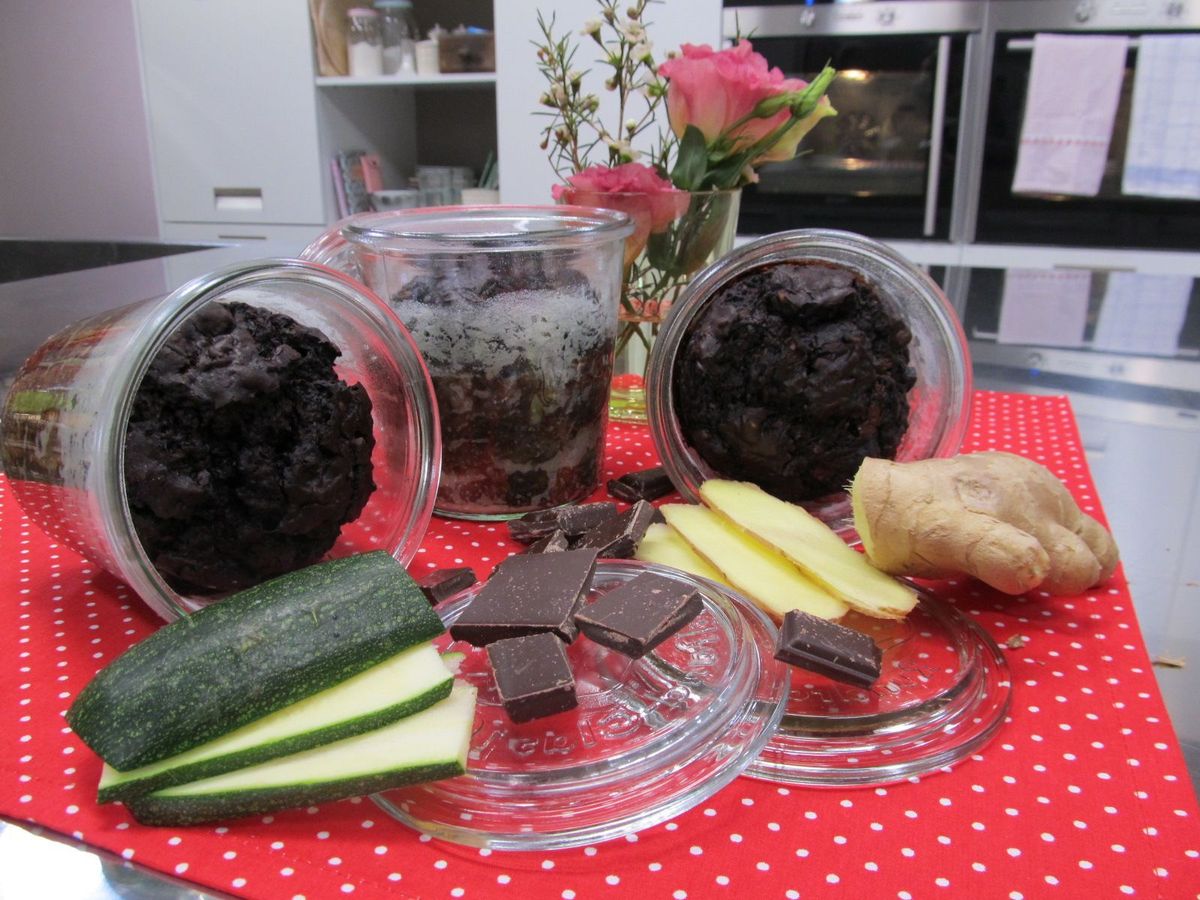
column 64, row 423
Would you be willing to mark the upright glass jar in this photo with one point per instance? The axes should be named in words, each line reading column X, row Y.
column 364, row 43
column 399, row 31
column 515, row 311
column 66, row 417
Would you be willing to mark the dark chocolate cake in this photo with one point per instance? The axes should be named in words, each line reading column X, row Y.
column 245, row 453
column 791, row 376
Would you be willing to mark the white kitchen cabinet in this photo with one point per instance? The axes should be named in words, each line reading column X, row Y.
column 243, row 128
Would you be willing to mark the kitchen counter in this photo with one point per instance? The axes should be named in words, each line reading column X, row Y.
column 1138, row 416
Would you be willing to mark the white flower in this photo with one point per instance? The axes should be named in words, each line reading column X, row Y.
column 591, row 27
column 643, row 51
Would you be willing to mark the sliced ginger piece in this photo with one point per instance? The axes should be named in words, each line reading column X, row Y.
column 812, row 545
column 663, row 544
column 750, row 566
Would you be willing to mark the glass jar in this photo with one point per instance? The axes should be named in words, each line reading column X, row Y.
column 399, row 33
column 65, row 419
column 515, row 311
column 938, row 403
column 364, row 43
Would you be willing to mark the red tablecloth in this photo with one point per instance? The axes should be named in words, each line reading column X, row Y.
column 1083, row 792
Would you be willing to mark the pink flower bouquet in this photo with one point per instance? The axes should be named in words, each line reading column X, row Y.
column 729, row 112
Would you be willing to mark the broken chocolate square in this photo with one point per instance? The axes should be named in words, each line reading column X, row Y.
column 532, row 676
column 570, row 520
column 442, row 583
column 639, row 615
column 527, row 594
column 555, row 542
column 618, row 537
column 828, row 649
column 648, row 484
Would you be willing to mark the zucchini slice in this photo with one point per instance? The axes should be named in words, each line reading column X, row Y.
column 428, row 745
column 400, row 686
column 249, row 655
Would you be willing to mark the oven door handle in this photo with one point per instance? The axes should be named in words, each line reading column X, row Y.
column 937, row 128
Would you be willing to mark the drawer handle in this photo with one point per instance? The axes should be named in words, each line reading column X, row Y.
column 230, row 198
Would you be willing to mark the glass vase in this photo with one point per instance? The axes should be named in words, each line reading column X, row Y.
column 677, row 234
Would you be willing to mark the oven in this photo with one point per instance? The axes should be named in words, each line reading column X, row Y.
column 888, row 163
column 1114, row 216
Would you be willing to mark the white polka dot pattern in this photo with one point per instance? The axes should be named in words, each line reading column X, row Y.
column 1083, row 790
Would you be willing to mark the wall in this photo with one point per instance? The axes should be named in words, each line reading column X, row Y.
column 74, row 147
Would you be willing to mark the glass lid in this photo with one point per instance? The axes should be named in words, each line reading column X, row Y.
column 650, row 737
column 943, row 692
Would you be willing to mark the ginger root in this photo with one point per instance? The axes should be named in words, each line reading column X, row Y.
column 998, row 517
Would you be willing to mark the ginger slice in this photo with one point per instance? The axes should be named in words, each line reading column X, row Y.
column 812, row 545
column 767, row 578
column 662, row 544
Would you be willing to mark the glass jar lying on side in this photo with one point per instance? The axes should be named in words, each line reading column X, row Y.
column 515, row 311
column 88, row 461
column 789, row 360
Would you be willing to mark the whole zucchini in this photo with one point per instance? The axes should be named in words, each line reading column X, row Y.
column 254, row 652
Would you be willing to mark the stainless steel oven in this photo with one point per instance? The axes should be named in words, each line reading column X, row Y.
column 888, row 163
column 994, row 214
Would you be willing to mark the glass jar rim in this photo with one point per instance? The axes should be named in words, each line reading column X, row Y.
column 944, row 335
column 153, row 332
column 452, row 229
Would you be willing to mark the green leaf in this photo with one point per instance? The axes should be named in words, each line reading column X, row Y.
column 692, row 160
column 660, row 249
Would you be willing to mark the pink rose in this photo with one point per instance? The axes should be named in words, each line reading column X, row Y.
column 650, row 200
column 713, row 89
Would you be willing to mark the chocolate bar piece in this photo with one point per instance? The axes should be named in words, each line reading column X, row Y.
column 639, row 615
column 570, row 520
column 442, row 583
column 532, row 676
column 648, row 484
column 555, row 542
column 828, row 648
column 619, row 536
column 527, row 594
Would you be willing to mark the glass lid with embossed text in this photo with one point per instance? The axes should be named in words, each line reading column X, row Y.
column 943, row 692
column 650, row 737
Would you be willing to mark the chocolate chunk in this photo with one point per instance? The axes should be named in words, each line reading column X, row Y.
column 828, row 648
column 442, row 583
column 791, row 375
column 554, row 542
column 648, row 484
column 570, row 520
column 532, row 676
column 619, row 536
column 527, row 594
column 639, row 615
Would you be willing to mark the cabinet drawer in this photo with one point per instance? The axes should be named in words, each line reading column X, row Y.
column 232, row 108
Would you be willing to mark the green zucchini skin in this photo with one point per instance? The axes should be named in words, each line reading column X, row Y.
column 249, row 655
column 426, row 746
column 124, row 786
column 162, row 809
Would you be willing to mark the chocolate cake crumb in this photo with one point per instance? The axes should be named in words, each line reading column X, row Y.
column 791, row 376
column 245, row 453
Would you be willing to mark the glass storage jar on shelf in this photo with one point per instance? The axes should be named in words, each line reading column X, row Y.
column 399, row 32
column 364, row 46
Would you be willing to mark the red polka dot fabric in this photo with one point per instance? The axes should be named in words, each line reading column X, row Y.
column 1083, row 792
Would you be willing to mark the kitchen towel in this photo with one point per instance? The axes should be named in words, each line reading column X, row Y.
column 1074, row 85
column 1161, row 158
column 1143, row 313
column 1046, row 307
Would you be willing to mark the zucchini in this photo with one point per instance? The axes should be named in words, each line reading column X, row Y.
column 249, row 655
column 399, row 686
column 428, row 745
